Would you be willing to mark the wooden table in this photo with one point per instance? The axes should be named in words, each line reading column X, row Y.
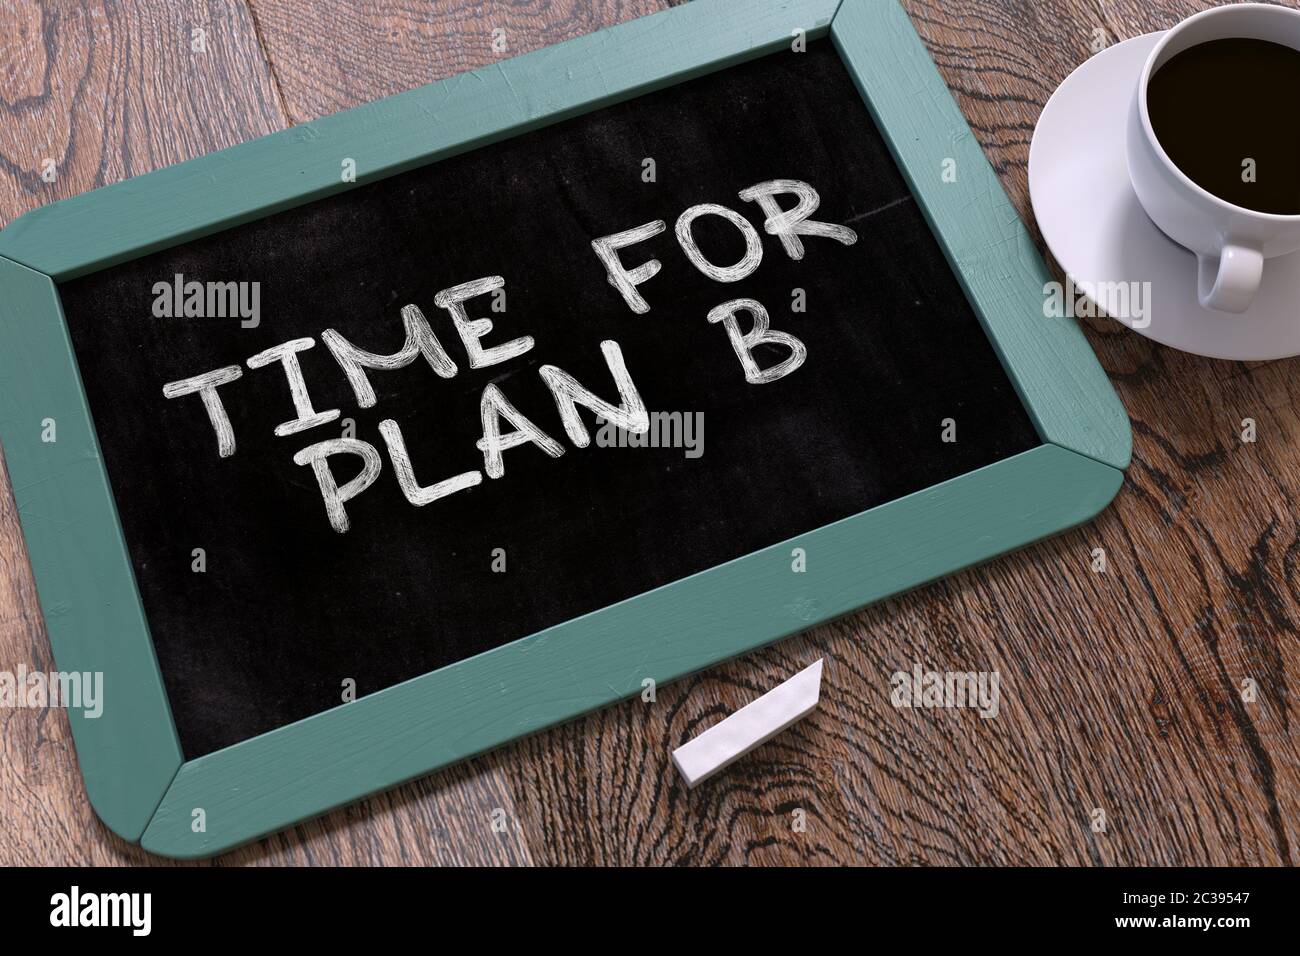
column 1123, row 736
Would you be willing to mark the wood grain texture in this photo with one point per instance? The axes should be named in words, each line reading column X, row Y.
column 329, row 56
column 1120, row 690
column 108, row 91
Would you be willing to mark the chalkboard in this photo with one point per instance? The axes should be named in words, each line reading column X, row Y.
column 357, row 449
column 286, row 609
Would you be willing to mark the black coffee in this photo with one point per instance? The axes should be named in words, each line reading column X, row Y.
column 1217, row 106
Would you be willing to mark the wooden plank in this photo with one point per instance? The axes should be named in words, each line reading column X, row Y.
column 330, row 57
column 381, row 739
column 99, row 92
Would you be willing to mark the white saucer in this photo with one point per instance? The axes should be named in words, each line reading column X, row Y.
column 1098, row 232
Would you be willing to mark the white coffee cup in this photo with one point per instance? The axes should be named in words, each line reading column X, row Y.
column 1230, row 242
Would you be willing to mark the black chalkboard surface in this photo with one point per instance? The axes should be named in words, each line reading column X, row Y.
column 286, row 609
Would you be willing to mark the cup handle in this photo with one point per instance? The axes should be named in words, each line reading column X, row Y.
column 1228, row 282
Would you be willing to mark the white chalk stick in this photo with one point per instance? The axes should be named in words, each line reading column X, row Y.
column 754, row 724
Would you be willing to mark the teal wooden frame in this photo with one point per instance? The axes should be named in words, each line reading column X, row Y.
column 130, row 757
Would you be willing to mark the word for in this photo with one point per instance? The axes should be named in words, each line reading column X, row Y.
column 79, row 690
column 503, row 426
column 75, row 908
column 978, row 690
